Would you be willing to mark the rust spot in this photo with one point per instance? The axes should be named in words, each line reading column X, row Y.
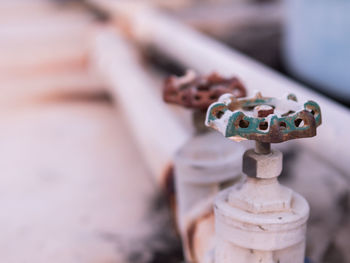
column 263, row 111
column 191, row 232
column 169, row 181
column 190, row 239
column 263, row 229
column 219, row 111
column 169, row 190
column 198, row 92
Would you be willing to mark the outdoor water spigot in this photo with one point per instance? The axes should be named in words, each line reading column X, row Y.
column 261, row 220
column 206, row 163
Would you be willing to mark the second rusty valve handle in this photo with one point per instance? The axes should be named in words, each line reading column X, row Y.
column 198, row 92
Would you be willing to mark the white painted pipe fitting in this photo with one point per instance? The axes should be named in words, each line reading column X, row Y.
column 260, row 221
column 204, row 165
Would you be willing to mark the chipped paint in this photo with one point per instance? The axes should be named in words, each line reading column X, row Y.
column 288, row 120
column 192, row 230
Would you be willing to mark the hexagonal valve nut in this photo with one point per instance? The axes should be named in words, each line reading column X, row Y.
column 263, row 166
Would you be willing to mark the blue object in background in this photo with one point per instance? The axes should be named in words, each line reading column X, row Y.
column 317, row 43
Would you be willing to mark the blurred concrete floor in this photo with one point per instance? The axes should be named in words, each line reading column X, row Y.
column 71, row 182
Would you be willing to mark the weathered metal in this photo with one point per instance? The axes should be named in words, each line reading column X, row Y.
column 199, row 232
column 261, row 220
column 202, row 167
column 204, row 163
column 264, row 119
column 198, row 92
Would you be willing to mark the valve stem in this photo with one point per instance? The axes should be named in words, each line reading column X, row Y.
column 198, row 120
column 262, row 147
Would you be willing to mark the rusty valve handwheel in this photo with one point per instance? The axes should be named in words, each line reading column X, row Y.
column 264, row 119
column 198, row 92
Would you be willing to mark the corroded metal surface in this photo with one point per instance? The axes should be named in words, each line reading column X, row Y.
column 198, row 92
column 195, row 238
column 264, row 119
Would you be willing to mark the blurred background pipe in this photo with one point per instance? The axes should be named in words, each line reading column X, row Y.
column 195, row 50
column 158, row 135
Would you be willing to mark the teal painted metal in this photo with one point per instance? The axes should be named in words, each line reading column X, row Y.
column 290, row 120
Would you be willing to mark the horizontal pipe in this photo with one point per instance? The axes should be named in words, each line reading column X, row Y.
column 158, row 135
column 202, row 53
